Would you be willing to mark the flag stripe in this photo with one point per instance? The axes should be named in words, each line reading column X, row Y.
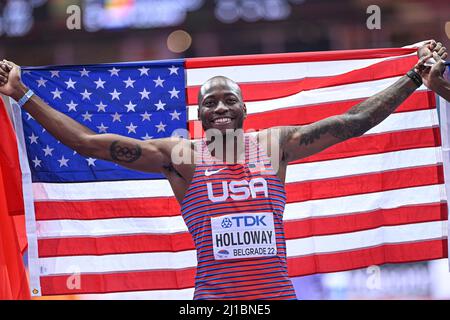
column 317, row 75
column 296, row 191
column 293, row 229
column 348, row 260
column 296, row 172
column 297, row 247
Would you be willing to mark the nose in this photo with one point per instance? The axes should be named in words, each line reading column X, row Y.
column 221, row 108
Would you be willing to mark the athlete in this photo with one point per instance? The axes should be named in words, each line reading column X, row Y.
column 232, row 198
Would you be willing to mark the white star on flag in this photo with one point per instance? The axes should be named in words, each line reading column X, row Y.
column 101, row 107
column 41, row 82
column 55, row 73
column 146, row 137
column 63, row 162
column 175, row 115
column 160, row 105
column 91, row 161
column 146, row 116
column 174, row 93
column 84, row 72
column 29, row 116
column 56, row 94
column 159, row 82
column 130, row 107
column 33, row 138
column 161, row 127
column 143, row 71
column 48, row 151
column 70, row 83
column 173, row 70
column 114, row 71
column 37, row 162
column 144, row 94
column 131, row 128
column 72, row 106
column 100, row 83
column 115, row 94
column 102, row 128
column 86, row 95
column 116, row 116
column 129, row 82
column 87, row 116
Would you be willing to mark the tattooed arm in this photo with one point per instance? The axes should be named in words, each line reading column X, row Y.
column 149, row 156
column 302, row 141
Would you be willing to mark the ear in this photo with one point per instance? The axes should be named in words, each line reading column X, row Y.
column 198, row 113
column 244, row 108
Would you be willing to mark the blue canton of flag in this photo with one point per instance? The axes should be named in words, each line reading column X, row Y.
column 144, row 100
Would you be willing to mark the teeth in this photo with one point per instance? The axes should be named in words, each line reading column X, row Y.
column 222, row 120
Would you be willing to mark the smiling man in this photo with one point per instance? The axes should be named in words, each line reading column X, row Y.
column 231, row 188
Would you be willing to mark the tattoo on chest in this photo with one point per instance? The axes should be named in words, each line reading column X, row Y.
column 125, row 154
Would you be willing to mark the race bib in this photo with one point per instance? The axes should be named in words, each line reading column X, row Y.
column 243, row 235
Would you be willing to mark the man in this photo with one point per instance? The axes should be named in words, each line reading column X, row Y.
column 434, row 79
column 231, row 187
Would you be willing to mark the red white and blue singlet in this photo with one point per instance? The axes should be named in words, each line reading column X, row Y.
column 234, row 213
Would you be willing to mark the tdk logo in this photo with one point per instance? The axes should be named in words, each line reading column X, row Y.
column 226, row 223
column 239, row 190
column 249, row 221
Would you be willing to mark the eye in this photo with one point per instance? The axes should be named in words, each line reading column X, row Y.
column 231, row 101
column 208, row 103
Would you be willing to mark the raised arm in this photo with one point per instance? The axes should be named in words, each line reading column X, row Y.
column 298, row 142
column 148, row 156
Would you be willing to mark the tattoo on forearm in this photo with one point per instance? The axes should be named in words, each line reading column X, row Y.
column 361, row 117
column 125, row 154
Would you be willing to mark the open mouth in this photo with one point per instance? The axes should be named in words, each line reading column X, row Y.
column 223, row 120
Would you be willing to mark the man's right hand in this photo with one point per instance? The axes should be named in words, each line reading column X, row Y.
column 10, row 81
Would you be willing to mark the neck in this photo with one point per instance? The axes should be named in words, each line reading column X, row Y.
column 227, row 148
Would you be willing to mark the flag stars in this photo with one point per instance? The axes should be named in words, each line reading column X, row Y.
column 146, row 116
column 130, row 107
column 114, row 71
column 86, row 95
column 146, row 137
column 56, row 94
column 160, row 105
column 37, row 162
column 48, row 151
column 175, row 115
column 100, row 83
column 87, row 116
column 115, row 95
column 174, row 93
column 144, row 70
column 33, row 138
column 63, row 162
column 101, row 107
column 116, row 117
column 161, row 127
column 144, row 94
column 129, row 83
column 84, row 72
column 91, row 161
column 70, row 83
column 41, row 82
column 102, row 128
column 72, row 106
column 159, row 82
column 173, row 70
column 131, row 128
column 54, row 73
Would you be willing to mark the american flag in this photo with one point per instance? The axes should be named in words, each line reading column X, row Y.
column 101, row 231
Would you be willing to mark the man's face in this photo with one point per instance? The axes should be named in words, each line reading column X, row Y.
column 221, row 106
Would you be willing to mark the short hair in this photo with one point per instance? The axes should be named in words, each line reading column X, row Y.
column 219, row 79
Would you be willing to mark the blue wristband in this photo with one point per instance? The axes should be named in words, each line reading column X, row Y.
column 25, row 98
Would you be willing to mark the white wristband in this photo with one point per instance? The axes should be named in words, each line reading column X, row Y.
column 25, row 98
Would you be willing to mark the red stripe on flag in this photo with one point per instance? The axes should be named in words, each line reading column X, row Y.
column 77, row 246
column 119, row 282
column 278, row 89
column 240, row 60
column 388, row 253
column 321, row 226
column 421, row 100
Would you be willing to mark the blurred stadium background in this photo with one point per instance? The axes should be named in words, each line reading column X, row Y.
column 34, row 32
